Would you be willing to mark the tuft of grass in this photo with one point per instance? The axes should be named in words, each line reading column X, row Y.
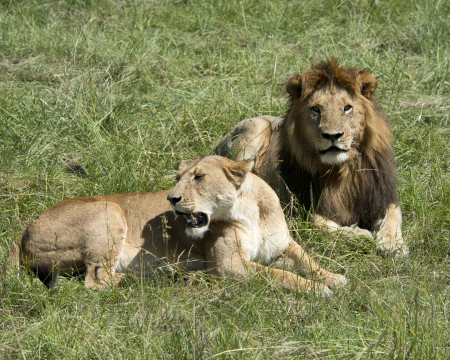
column 127, row 89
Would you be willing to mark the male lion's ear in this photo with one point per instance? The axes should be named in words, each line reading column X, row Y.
column 294, row 86
column 183, row 164
column 237, row 170
column 368, row 83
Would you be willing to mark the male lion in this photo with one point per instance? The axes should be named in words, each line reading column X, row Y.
column 333, row 150
column 225, row 219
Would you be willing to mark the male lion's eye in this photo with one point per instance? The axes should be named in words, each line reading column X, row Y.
column 347, row 109
column 315, row 109
column 198, row 177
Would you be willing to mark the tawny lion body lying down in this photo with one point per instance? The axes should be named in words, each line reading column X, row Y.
column 333, row 151
column 225, row 220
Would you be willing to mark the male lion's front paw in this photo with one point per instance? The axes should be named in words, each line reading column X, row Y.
column 390, row 245
column 356, row 230
column 335, row 280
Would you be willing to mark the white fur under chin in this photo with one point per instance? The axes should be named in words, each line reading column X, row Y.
column 196, row 233
column 334, row 158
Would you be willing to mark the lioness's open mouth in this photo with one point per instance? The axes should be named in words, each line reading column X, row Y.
column 332, row 149
column 195, row 219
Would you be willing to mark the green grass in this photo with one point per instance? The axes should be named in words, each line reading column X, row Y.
column 129, row 88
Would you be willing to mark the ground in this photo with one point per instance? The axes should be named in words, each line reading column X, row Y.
column 129, row 88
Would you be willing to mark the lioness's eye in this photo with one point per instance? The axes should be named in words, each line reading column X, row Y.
column 315, row 109
column 347, row 109
column 198, row 177
column 177, row 178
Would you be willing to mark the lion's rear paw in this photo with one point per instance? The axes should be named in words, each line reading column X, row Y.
column 95, row 285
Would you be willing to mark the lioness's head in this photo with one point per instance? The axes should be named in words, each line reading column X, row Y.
column 206, row 191
column 327, row 117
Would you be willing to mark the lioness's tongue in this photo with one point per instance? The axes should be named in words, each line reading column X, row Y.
column 191, row 219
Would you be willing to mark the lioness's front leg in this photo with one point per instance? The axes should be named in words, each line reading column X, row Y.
column 308, row 267
column 289, row 280
column 388, row 233
column 226, row 257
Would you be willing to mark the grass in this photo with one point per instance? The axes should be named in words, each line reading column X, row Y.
column 129, row 88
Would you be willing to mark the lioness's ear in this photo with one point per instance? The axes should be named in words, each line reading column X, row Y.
column 294, row 86
column 183, row 164
column 237, row 170
column 368, row 83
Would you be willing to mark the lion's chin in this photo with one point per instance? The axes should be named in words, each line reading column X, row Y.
column 334, row 157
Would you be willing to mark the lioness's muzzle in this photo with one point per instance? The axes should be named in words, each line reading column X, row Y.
column 195, row 219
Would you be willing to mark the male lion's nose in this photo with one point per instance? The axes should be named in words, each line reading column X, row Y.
column 332, row 137
column 173, row 199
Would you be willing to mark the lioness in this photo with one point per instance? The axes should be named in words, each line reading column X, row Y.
column 332, row 150
column 221, row 218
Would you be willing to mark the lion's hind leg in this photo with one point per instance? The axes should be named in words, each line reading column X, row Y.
column 104, row 246
column 98, row 276
column 249, row 139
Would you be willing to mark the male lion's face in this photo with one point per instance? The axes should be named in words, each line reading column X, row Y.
column 335, row 123
column 206, row 191
column 327, row 117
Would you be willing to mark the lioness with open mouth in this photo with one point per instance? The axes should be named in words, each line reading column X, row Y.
column 224, row 219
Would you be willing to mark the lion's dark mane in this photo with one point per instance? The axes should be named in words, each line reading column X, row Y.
column 358, row 191
column 370, row 195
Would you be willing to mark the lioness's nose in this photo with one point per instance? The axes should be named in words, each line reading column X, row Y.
column 173, row 199
column 332, row 137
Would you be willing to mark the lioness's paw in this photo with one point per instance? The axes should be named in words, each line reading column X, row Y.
column 390, row 245
column 335, row 280
column 323, row 291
